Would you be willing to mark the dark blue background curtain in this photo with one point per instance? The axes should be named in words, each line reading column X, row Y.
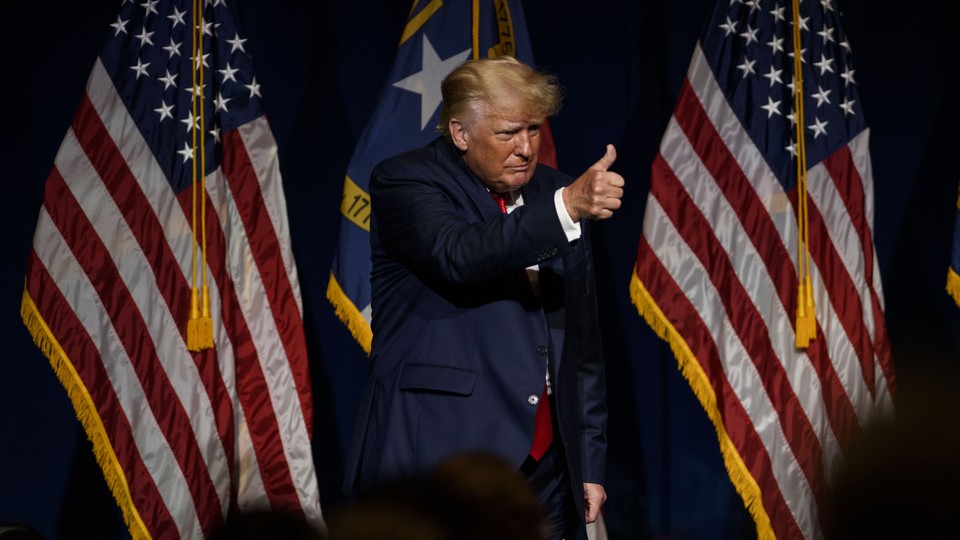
column 321, row 66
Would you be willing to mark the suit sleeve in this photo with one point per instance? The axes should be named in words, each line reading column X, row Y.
column 422, row 221
column 591, row 378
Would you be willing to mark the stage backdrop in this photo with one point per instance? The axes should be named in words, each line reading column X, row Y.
column 321, row 65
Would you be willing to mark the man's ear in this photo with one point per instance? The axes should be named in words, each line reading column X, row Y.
column 458, row 134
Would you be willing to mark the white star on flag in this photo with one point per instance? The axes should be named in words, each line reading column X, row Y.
column 426, row 82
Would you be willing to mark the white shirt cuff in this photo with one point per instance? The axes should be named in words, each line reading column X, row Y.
column 571, row 229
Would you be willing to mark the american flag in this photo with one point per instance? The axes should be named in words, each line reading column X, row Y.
column 438, row 37
column 716, row 269
column 184, row 438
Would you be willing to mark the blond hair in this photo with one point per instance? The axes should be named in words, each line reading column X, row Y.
column 488, row 80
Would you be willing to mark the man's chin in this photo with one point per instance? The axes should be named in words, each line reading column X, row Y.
column 517, row 180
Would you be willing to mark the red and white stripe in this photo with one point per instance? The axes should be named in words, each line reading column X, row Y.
column 193, row 435
column 718, row 259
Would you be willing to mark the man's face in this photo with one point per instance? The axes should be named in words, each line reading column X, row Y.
column 500, row 145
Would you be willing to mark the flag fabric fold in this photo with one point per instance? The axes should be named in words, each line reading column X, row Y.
column 716, row 270
column 184, row 438
column 438, row 37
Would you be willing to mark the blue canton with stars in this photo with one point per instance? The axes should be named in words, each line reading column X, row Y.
column 149, row 54
column 749, row 46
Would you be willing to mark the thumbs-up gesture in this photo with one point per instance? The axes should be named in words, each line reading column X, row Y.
column 596, row 194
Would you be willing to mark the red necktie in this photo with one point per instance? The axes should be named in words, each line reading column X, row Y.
column 543, row 427
column 501, row 199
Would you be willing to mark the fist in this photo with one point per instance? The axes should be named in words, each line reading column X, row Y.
column 597, row 193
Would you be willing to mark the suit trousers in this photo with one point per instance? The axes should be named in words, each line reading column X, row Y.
column 551, row 482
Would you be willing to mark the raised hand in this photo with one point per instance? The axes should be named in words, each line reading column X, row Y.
column 596, row 194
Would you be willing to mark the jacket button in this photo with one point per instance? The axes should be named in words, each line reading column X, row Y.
column 542, row 350
column 533, row 400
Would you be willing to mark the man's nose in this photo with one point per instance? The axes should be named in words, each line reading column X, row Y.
column 523, row 147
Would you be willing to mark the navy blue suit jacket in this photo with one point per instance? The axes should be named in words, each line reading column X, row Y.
column 460, row 342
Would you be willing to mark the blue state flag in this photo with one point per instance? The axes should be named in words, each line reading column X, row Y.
column 438, row 37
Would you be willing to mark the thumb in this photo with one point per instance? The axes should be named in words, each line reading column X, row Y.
column 607, row 160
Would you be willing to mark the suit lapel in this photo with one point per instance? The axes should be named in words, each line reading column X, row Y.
column 471, row 185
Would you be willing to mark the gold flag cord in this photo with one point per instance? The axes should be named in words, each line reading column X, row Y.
column 206, row 322
column 476, row 29
column 200, row 325
column 806, row 323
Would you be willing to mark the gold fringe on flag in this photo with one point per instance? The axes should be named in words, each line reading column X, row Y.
column 349, row 314
column 86, row 412
column 806, row 323
column 953, row 279
column 953, row 285
column 739, row 474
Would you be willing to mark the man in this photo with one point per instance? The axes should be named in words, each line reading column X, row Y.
column 484, row 314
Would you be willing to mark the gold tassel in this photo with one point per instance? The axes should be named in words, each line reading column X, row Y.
column 806, row 329
column 205, row 322
column 200, row 325
column 193, row 324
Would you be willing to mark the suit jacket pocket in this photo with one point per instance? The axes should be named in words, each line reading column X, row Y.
column 437, row 378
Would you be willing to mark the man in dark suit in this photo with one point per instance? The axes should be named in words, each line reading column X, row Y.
column 485, row 332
